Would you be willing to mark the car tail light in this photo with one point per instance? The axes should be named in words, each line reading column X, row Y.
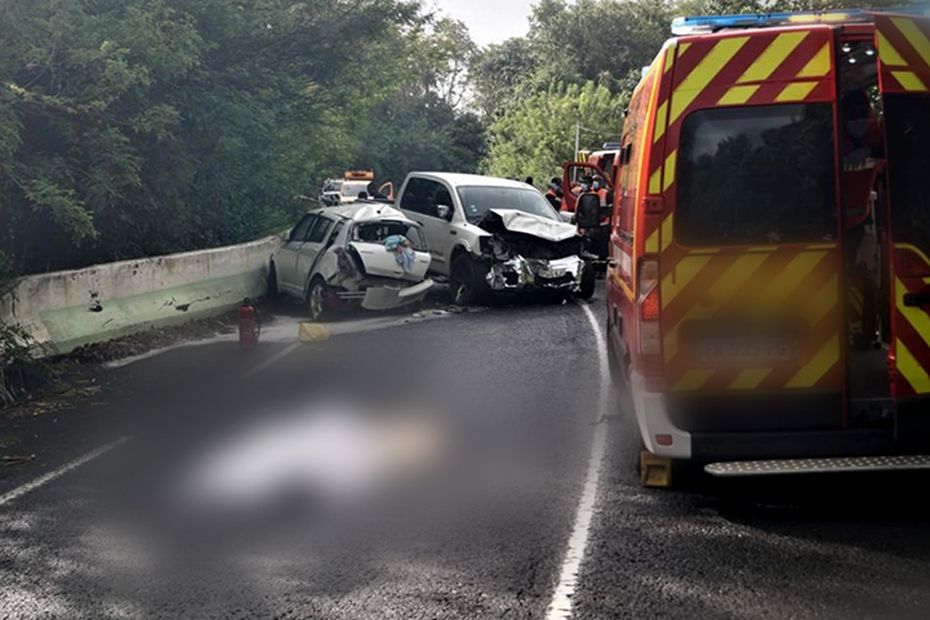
column 650, row 333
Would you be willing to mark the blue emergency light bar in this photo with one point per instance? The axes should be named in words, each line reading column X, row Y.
column 683, row 26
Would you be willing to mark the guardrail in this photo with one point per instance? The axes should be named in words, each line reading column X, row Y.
column 68, row 309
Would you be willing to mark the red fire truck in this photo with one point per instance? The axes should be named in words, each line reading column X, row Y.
column 769, row 280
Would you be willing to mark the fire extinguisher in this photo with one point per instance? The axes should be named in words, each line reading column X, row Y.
column 249, row 326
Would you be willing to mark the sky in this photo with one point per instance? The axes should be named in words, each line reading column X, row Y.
column 490, row 21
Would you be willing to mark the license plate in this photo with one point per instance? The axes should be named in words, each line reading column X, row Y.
column 736, row 350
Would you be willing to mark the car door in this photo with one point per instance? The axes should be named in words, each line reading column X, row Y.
column 421, row 200
column 904, row 80
column 286, row 256
column 311, row 248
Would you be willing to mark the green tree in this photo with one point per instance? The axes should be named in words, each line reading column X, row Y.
column 535, row 136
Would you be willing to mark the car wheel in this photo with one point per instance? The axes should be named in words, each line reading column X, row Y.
column 272, row 292
column 468, row 287
column 316, row 300
column 588, row 282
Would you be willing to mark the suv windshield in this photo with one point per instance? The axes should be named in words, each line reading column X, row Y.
column 756, row 175
column 377, row 232
column 477, row 201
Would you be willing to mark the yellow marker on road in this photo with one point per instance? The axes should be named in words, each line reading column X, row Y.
column 313, row 332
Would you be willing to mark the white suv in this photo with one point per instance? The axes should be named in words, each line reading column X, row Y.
column 495, row 235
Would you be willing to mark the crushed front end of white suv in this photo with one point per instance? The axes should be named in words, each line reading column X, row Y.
column 526, row 251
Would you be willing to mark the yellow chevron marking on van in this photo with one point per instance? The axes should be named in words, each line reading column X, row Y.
column 818, row 367
column 909, row 81
column 738, row 95
column 702, row 75
column 693, row 380
column 888, row 54
column 652, row 242
column 911, row 369
column 914, row 36
column 669, row 174
column 732, row 280
column 918, row 319
column 819, row 65
column 685, row 271
column 791, row 277
column 661, row 118
column 722, row 291
column 750, row 378
column 655, row 181
column 796, row 92
column 773, row 56
column 665, row 236
column 669, row 58
column 682, row 48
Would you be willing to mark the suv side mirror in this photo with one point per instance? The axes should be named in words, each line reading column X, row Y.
column 444, row 212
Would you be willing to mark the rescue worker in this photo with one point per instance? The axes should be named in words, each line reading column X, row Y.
column 600, row 190
column 588, row 219
column 554, row 193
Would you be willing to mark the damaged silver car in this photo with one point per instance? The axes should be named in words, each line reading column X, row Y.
column 365, row 254
column 491, row 235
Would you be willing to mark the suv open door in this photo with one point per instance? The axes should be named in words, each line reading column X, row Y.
column 903, row 44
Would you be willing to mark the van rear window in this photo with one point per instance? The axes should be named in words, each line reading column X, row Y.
column 756, row 175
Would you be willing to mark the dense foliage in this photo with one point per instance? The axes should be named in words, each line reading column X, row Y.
column 139, row 127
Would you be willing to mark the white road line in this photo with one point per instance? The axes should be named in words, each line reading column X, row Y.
column 18, row 492
column 561, row 607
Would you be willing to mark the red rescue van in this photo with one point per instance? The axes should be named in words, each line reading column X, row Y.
column 769, row 281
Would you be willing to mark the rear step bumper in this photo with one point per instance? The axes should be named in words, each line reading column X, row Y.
column 738, row 469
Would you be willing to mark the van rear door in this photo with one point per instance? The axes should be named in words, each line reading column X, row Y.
column 750, row 257
column 903, row 43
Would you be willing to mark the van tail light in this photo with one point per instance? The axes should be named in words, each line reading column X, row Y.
column 649, row 306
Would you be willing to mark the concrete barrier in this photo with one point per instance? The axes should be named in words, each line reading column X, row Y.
column 68, row 309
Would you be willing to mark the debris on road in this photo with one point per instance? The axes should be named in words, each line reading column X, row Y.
column 10, row 461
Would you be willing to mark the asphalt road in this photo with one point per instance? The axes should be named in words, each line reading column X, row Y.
column 424, row 469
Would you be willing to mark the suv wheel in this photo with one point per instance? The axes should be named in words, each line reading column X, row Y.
column 468, row 286
column 588, row 282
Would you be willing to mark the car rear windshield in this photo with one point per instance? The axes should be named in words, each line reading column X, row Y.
column 908, row 128
column 378, row 232
column 756, row 175
column 477, row 201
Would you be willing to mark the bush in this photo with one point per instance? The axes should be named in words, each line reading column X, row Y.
column 20, row 370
